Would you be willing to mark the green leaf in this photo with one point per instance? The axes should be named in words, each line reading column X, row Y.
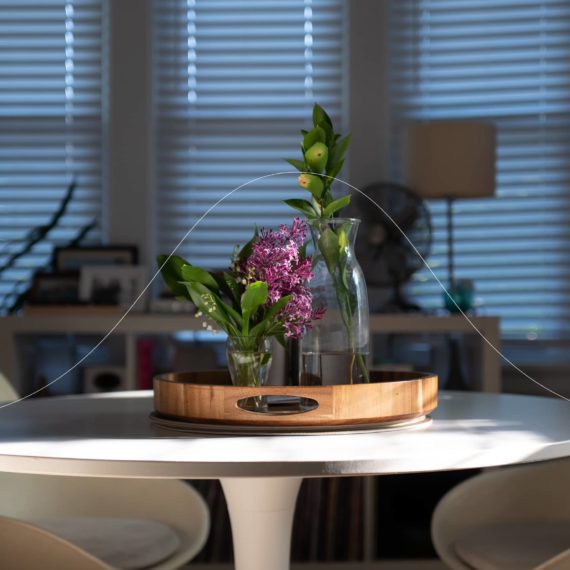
column 265, row 324
column 278, row 306
column 329, row 134
column 238, row 319
column 342, row 242
column 320, row 116
column 326, row 199
column 314, row 136
column 334, row 171
column 344, row 274
column 328, row 246
column 229, row 288
column 232, row 287
column 343, row 298
column 198, row 275
column 336, row 205
column 171, row 271
column 339, row 150
column 210, row 304
column 281, row 340
column 298, row 164
column 303, row 206
column 253, row 297
column 346, row 226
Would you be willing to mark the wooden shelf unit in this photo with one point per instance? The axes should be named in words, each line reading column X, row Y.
column 134, row 325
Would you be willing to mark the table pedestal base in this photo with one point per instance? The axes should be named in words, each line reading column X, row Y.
column 261, row 515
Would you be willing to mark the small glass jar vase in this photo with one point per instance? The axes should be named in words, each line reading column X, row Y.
column 249, row 362
column 335, row 350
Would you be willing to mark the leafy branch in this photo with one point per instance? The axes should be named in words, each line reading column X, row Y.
column 323, row 153
column 323, row 158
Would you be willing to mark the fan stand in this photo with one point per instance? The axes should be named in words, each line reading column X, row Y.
column 397, row 303
column 401, row 303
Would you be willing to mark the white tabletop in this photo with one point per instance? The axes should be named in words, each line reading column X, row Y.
column 112, row 436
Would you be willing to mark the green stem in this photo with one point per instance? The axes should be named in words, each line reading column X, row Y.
column 363, row 367
column 343, row 297
column 344, row 301
column 247, row 365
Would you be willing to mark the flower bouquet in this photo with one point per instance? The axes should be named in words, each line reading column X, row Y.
column 264, row 294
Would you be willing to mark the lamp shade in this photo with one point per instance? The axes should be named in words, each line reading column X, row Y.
column 449, row 159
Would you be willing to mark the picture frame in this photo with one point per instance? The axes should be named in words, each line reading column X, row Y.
column 75, row 258
column 117, row 285
column 58, row 288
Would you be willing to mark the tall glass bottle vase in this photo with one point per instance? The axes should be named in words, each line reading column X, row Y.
column 335, row 350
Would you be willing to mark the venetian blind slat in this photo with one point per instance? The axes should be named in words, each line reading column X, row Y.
column 51, row 84
column 504, row 61
column 234, row 83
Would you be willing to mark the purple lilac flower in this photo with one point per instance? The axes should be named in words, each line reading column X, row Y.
column 276, row 259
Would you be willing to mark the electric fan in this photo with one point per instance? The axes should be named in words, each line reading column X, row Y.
column 387, row 258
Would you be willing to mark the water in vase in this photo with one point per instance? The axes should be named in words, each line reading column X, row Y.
column 327, row 368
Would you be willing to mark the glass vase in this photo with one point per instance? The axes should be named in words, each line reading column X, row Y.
column 249, row 361
column 335, row 350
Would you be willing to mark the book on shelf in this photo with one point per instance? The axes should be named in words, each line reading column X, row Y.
column 145, row 362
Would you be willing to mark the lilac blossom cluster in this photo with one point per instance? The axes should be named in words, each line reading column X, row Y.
column 276, row 259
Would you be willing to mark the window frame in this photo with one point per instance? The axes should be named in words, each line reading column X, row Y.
column 130, row 193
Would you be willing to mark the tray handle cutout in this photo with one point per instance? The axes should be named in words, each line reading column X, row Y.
column 277, row 405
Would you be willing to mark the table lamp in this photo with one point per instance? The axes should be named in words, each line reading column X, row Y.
column 450, row 160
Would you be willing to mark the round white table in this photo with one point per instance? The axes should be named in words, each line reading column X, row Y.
column 111, row 436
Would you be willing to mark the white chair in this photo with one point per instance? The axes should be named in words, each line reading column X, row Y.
column 23, row 545
column 116, row 523
column 509, row 519
column 7, row 392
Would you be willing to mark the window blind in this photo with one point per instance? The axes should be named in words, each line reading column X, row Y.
column 506, row 61
column 234, row 84
column 50, row 125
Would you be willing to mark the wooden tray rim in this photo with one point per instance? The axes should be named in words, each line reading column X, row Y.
column 178, row 378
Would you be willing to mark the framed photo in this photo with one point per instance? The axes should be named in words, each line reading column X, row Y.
column 112, row 285
column 54, row 289
column 75, row 258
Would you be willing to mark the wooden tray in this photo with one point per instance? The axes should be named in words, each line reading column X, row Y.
column 209, row 397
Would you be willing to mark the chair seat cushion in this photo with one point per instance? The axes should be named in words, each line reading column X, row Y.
column 128, row 544
column 516, row 546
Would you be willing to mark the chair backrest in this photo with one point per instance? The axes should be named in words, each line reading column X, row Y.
column 174, row 503
column 559, row 562
column 23, row 545
column 530, row 492
column 7, row 392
